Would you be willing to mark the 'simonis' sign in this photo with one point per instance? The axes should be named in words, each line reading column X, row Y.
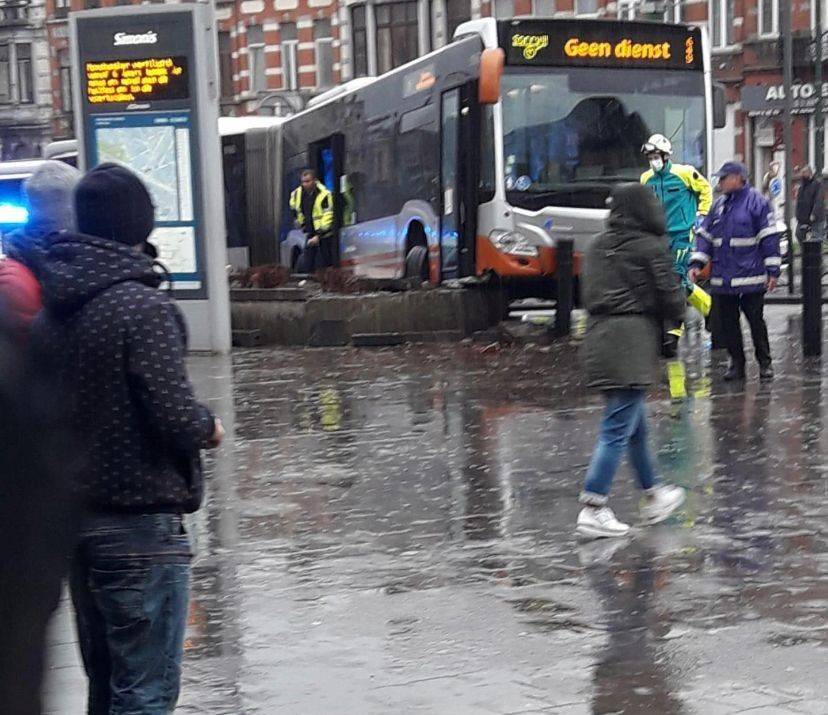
column 124, row 38
column 770, row 99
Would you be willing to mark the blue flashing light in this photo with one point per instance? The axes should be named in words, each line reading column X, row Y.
column 12, row 214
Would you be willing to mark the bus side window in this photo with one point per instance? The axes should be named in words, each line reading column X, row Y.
column 346, row 190
column 486, row 186
column 417, row 144
column 326, row 160
column 292, row 177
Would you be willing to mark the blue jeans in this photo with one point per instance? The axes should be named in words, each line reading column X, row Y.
column 623, row 428
column 130, row 588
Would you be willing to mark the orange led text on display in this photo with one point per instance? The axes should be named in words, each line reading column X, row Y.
column 623, row 50
column 132, row 80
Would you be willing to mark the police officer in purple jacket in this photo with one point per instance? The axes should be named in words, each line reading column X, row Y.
column 740, row 239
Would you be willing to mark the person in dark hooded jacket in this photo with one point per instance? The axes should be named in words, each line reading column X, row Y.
column 119, row 345
column 630, row 289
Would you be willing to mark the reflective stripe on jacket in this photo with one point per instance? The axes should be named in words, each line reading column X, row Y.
column 683, row 192
column 323, row 215
column 739, row 237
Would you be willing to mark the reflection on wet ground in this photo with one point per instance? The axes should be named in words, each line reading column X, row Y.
column 391, row 531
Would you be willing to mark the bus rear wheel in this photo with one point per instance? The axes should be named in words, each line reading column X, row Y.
column 416, row 263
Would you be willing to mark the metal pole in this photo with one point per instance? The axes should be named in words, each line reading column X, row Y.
column 787, row 62
column 812, row 247
column 819, row 122
column 563, row 273
column 812, row 297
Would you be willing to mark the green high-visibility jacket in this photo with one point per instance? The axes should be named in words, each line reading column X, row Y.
column 683, row 193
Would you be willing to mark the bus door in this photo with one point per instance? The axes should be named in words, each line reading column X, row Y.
column 458, row 179
column 327, row 158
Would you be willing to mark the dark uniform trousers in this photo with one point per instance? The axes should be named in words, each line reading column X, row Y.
column 753, row 306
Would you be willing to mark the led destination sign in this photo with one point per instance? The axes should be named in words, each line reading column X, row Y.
column 601, row 44
column 125, row 81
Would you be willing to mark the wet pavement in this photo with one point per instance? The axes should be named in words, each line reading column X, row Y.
column 391, row 531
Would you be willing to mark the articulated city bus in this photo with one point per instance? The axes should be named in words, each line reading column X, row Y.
column 480, row 156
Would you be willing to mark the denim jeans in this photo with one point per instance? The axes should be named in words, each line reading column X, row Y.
column 130, row 588
column 623, row 428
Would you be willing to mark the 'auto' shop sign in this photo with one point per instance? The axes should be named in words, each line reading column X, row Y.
column 770, row 99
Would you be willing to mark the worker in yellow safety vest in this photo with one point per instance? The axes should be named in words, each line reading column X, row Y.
column 313, row 211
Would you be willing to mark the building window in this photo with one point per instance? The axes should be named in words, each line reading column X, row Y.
column 62, row 8
column 323, row 46
column 14, row 13
column 672, row 11
column 721, row 23
column 544, row 8
column 586, row 7
column 5, row 74
column 457, row 12
column 256, row 58
column 359, row 29
column 25, row 74
column 504, row 9
column 290, row 61
column 768, row 18
column 397, row 41
column 626, row 9
column 65, row 63
column 225, row 52
column 661, row 11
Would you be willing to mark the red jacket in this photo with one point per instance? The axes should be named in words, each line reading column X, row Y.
column 19, row 292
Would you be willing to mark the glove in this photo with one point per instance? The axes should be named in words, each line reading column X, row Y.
column 697, row 224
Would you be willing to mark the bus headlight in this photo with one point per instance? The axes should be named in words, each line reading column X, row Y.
column 513, row 243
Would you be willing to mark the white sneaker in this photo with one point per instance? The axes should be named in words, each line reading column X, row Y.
column 660, row 502
column 600, row 522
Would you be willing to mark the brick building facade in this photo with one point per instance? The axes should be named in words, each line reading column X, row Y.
column 275, row 54
column 25, row 104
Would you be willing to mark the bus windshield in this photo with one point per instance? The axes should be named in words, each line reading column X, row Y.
column 570, row 133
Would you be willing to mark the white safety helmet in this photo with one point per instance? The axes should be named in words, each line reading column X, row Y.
column 657, row 143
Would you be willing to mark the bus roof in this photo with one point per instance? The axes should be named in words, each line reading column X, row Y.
column 486, row 29
column 363, row 82
column 339, row 90
column 239, row 125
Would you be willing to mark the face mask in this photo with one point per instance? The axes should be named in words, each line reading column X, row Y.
column 657, row 164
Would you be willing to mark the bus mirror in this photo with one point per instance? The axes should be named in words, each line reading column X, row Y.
column 491, row 70
column 719, row 106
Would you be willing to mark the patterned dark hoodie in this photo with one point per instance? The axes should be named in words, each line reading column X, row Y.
column 118, row 344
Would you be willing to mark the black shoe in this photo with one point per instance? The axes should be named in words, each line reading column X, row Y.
column 766, row 372
column 734, row 373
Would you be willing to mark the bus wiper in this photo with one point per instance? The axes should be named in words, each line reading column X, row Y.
column 605, row 179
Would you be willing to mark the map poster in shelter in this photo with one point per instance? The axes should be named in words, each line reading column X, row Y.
column 157, row 147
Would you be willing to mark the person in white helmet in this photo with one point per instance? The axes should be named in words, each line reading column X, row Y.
column 686, row 197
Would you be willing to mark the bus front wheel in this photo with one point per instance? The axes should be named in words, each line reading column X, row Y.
column 416, row 263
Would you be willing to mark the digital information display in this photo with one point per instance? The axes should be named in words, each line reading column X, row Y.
column 144, row 97
column 150, row 79
column 573, row 43
column 156, row 146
